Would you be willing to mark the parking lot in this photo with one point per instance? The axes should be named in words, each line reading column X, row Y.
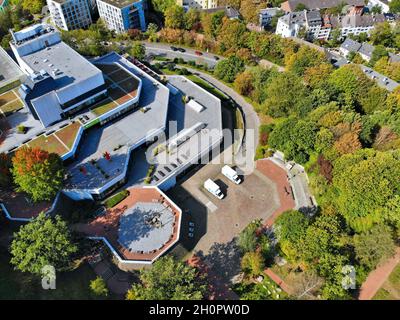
column 219, row 221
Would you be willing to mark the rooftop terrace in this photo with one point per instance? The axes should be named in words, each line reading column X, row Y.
column 141, row 227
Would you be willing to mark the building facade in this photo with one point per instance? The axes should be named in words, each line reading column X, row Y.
column 70, row 14
column 198, row 4
column 121, row 15
column 320, row 27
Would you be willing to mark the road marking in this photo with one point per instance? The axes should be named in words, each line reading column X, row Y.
column 211, row 206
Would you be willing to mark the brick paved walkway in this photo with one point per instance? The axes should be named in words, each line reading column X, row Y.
column 377, row 278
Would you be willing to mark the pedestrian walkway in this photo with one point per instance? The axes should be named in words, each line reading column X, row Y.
column 377, row 278
column 278, row 280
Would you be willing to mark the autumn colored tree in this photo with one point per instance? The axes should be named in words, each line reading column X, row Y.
column 348, row 143
column 244, row 83
column 325, row 168
column 316, row 76
column 38, row 173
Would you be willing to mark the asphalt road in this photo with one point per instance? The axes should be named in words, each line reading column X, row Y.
column 165, row 50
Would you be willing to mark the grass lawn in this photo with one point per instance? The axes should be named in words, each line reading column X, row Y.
column 68, row 134
column 117, row 198
column 48, row 143
column 206, row 86
column 9, row 102
column 72, row 285
column 103, row 106
column 391, row 288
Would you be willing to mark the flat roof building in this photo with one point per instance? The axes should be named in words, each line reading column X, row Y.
column 70, row 14
column 59, row 80
column 122, row 15
column 9, row 71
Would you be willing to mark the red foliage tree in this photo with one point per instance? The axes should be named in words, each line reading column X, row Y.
column 325, row 168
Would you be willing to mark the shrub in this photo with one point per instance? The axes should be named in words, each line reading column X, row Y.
column 117, row 198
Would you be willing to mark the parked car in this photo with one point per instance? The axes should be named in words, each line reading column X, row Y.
column 216, row 58
column 231, row 174
column 213, row 188
column 199, row 53
column 174, row 48
column 181, row 50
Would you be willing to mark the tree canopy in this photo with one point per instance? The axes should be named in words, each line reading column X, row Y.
column 168, row 280
column 43, row 241
column 38, row 173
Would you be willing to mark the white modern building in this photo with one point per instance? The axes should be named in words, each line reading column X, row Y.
column 70, row 14
column 121, row 15
column 59, row 80
column 320, row 27
column 265, row 16
column 198, row 4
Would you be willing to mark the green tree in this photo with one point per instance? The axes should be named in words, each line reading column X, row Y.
column 192, row 19
column 394, row 6
column 38, row 173
column 43, row 241
column 98, row 287
column 138, row 50
column 296, row 139
column 227, row 69
column 231, row 35
column 374, row 246
column 175, row 17
column 161, row 6
column 247, row 240
column 252, row 264
column 381, row 34
column 168, row 280
column 151, row 32
column 285, row 92
column 33, row 6
column 378, row 53
column 366, row 182
column 290, row 228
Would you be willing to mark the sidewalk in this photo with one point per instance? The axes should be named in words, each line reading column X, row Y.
column 377, row 278
column 275, row 278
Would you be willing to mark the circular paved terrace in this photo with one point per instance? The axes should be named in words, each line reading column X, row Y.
column 146, row 227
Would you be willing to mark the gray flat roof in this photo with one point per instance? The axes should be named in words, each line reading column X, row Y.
column 130, row 130
column 72, row 66
column 9, row 70
column 119, row 3
column 186, row 119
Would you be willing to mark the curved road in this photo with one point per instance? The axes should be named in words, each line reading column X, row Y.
column 251, row 120
column 161, row 49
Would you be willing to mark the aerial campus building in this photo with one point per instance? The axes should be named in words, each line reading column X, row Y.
column 115, row 124
column 122, row 15
column 71, row 14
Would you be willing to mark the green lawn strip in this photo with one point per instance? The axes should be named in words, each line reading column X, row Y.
column 12, row 107
column 206, row 86
column 48, row 143
column 117, row 198
column 103, row 106
column 68, row 134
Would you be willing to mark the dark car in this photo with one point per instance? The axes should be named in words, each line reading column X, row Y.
column 181, row 50
column 174, row 48
column 216, row 57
